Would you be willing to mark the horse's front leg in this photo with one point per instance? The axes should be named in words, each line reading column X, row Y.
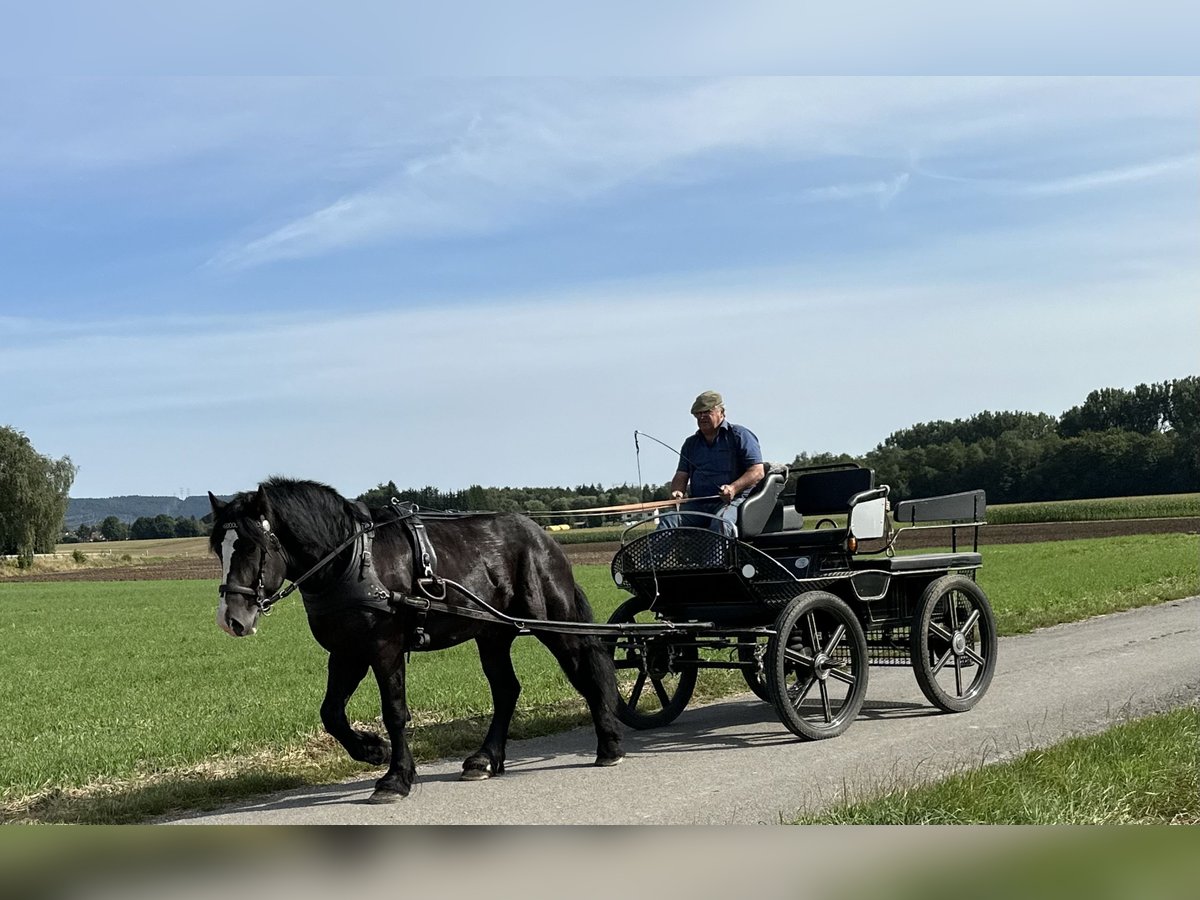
column 345, row 674
column 389, row 670
column 495, row 654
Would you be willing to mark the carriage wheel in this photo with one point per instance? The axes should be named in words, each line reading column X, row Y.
column 754, row 656
column 817, row 666
column 954, row 643
column 655, row 675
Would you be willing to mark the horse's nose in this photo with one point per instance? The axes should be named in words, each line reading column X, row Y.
column 235, row 625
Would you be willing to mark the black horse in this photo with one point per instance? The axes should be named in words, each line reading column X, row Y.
column 354, row 602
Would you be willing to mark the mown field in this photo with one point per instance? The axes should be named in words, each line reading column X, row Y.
column 123, row 699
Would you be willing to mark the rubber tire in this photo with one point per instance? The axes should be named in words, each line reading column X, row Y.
column 986, row 646
column 677, row 698
column 826, row 609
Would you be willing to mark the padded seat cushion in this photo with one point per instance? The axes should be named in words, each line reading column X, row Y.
column 801, row 540
column 921, row 561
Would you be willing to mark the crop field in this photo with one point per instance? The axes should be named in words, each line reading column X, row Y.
column 124, row 699
column 1161, row 506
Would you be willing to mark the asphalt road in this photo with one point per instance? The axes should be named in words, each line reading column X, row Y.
column 732, row 762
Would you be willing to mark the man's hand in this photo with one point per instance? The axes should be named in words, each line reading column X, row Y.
column 727, row 492
column 676, row 495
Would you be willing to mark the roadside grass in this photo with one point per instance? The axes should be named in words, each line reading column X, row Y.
column 1140, row 772
column 123, row 700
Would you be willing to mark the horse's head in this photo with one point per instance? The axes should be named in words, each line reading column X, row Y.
column 252, row 561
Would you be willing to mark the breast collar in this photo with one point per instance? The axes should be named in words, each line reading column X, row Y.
column 358, row 585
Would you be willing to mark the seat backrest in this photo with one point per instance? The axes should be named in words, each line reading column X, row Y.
column 756, row 509
column 828, row 491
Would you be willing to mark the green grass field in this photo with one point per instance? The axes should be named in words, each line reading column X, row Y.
column 1140, row 772
column 129, row 690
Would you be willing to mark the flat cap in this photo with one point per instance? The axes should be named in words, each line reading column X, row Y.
column 706, row 401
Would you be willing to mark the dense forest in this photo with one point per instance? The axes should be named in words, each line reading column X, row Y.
column 1116, row 443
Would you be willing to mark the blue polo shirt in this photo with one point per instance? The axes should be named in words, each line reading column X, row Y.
column 734, row 450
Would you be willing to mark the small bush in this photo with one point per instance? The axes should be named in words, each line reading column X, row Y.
column 79, row 556
column 125, row 557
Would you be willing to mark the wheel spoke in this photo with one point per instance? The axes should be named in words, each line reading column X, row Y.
column 797, row 657
column 838, row 634
column 812, row 633
column 939, row 631
column 661, row 691
column 799, row 698
column 825, row 703
column 842, row 676
column 971, row 620
column 952, row 600
column 975, row 657
column 958, row 674
column 937, row 667
column 636, row 694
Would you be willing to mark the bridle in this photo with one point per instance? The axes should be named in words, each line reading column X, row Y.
column 258, row 593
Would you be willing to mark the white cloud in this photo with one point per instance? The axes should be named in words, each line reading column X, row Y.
column 530, row 148
column 1089, row 181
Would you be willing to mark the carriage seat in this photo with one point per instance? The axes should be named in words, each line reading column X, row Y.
column 755, row 511
column 820, row 491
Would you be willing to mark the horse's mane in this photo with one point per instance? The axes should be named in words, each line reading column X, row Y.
column 315, row 514
column 310, row 514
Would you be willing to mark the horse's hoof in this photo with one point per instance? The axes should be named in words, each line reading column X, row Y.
column 476, row 774
column 605, row 761
column 380, row 797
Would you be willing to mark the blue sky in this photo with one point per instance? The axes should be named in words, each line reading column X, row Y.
column 447, row 281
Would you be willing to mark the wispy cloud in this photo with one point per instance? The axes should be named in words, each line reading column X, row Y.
column 886, row 191
column 530, row 149
column 1090, row 181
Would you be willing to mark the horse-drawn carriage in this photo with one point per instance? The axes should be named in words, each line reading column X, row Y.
column 804, row 612
column 801, row 612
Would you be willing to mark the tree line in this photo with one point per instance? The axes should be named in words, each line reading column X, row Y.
column 1117, row 442
column 141, row 529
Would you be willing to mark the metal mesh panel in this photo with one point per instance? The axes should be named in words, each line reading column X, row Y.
column 675, row 549
column 774, row 594
column 888, row 645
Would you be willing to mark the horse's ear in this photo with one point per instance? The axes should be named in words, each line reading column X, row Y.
column 217, row 505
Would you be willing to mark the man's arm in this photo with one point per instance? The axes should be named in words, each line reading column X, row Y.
column 749, row 478
column 678, row 484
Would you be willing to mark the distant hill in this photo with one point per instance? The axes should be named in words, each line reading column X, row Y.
column 95, row 510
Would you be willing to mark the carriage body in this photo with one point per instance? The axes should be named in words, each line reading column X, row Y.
column 804, row 612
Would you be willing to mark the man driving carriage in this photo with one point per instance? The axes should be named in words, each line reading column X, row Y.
column 718, row 466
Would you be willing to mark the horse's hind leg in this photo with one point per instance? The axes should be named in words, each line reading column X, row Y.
column 495, row 656
column 590, row 669
column 345, row 674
